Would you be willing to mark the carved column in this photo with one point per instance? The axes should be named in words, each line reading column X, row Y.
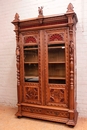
column 70, row 14
column 16, row 22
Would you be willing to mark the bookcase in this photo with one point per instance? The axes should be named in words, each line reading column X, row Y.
column 46, row 66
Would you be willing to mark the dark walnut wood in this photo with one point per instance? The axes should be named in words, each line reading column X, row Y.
column 46, row 66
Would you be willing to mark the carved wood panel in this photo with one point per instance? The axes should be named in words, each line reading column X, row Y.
column 31, row 94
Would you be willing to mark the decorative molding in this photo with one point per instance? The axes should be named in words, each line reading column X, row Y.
column 44, row 111
column 31, row 84
column 56, row 86
column 31, row 33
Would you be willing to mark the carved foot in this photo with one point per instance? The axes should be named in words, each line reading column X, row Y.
column 73, row 122
column 18, row 115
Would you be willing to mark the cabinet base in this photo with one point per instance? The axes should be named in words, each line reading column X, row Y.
column 47, row 114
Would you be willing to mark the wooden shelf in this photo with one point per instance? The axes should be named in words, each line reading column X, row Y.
column 31, row 77
column 26, row 49
column 56, row 42
column 62, row 78
column 56, row 47
column 30, row 62
column 59, row 62
column 29, row 44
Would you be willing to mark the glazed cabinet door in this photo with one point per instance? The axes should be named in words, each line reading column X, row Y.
column 56, row 67
column 32, row 67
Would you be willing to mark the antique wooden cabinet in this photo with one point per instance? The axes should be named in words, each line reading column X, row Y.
column 46, row 66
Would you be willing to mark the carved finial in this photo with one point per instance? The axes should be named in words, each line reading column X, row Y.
column 70, row 8
column 40, row 11
column 16, row 18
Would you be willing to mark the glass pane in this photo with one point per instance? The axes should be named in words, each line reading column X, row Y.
column 31, row 64
column 56, row 63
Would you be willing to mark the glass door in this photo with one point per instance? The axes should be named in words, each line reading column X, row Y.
column 31, row 64
column 31, row 69
column 56, row 75
column 56, row 64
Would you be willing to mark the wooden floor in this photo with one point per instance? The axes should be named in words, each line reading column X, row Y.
column 8, row 121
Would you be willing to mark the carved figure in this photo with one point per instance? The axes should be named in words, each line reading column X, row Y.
column 40, row 11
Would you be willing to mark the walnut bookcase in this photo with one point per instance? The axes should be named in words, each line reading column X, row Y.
column 46, row 72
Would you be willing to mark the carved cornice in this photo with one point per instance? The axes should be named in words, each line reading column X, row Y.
column 67, row 18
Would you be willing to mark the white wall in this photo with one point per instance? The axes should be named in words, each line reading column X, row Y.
column 29, row 9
